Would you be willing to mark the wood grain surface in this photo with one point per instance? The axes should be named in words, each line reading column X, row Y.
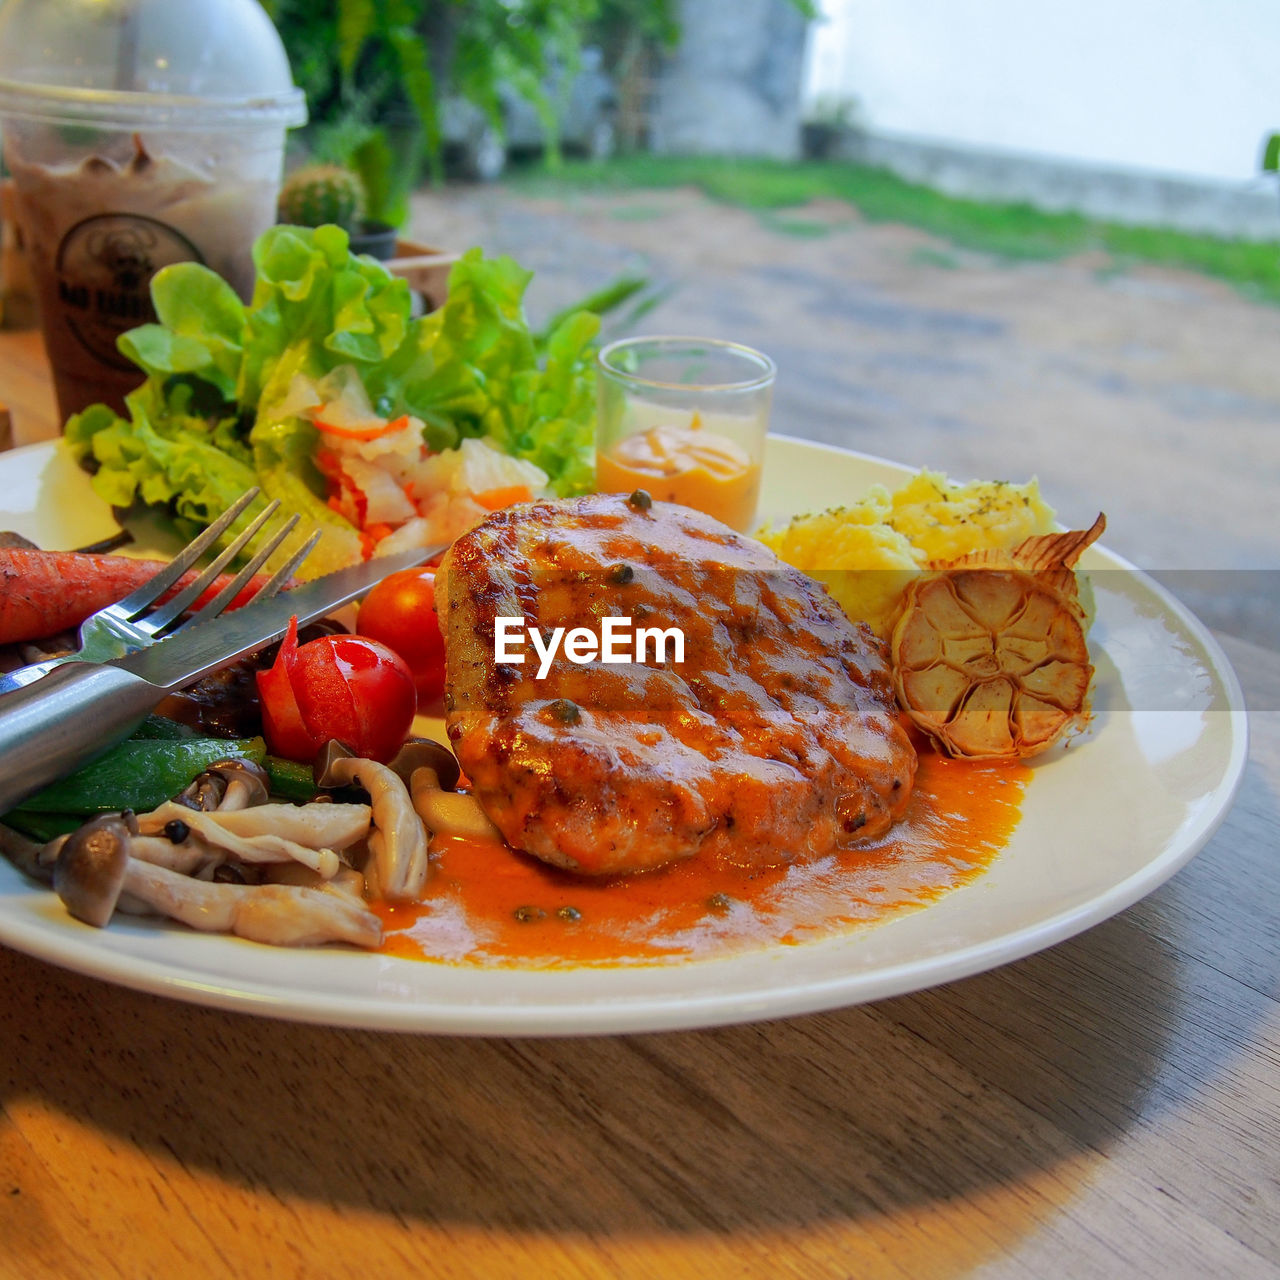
column 26, row 387
column 1110, row 1107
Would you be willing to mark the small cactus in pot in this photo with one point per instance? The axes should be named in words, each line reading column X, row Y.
column 321, row 193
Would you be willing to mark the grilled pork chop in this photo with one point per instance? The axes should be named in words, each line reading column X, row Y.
column 775, row 739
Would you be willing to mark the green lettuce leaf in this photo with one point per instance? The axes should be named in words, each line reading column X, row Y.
column 213, row 417
column 284, row 464
column 201, row 328
column 472, row 369
column 558, row 432
column 157, row 457
column 316, row 306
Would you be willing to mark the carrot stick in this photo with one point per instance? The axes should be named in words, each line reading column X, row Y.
column 507, row 496
column 45, row 592
column 370, row 431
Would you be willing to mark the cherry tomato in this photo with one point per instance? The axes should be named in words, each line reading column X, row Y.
column 401, row 612
column 345, row 687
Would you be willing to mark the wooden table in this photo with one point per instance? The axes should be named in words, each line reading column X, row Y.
column 26, row 387
column 1110, row 1107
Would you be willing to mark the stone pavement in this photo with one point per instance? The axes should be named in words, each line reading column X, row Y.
column 1150, row 394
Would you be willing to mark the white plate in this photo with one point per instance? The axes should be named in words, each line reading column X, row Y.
column 1103, row 824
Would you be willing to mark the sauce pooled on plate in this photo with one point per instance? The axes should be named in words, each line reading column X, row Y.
column 489, row 907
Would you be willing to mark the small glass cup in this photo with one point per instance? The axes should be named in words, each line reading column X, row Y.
column 686, row 420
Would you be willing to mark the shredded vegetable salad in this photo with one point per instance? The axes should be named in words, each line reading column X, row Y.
column 381, row 429
column 382, row 476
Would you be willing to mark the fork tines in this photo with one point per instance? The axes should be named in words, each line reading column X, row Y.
column 163, row 618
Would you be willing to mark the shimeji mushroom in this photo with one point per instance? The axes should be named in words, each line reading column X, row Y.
column 38, row 860
column 431, row 772
column 309, row 834
column 424, row 753
column 227, row 785
column 224, row 826
column 94, row 870
column 227, row 808
column 30, row 857
column 89, row 873
column 221, row 828
column 397, row 866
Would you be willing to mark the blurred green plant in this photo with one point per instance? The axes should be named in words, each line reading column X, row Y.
column 636, row 293
column 836, row 110
column 633, row 34
column 1271, row 154
column 377, row 74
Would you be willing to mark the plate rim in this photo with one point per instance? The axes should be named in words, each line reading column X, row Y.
column 642, row 1013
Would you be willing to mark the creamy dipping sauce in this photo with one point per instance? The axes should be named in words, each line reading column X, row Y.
column 489, row 907
column 689, row 465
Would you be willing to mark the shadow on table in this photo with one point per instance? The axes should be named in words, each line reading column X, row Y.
column 849, row 1117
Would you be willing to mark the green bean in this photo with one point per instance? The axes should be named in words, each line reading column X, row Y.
column 290, row 780
column 138, row 774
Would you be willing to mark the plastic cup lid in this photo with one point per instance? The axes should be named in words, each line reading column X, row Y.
column 130, row 64
column 106, row 108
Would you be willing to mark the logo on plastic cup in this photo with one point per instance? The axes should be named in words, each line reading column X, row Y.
column 104, row 270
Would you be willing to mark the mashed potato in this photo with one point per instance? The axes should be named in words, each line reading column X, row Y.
column 867, row 552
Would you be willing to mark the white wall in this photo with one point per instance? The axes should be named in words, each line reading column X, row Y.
column 1182, row 87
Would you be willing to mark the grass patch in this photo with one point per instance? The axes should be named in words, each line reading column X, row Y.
column 638, row 213
column 801, row 228
column 939, row 258
column 1014, row 231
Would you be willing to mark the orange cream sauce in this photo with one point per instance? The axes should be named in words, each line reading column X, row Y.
column 487, row 906
column 688, row 465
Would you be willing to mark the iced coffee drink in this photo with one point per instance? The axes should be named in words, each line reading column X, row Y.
column 138, row 133
column 98, row 230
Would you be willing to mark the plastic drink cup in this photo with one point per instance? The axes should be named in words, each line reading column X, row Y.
column 137, row 133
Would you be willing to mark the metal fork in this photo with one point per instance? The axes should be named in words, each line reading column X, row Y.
column 131, row 624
